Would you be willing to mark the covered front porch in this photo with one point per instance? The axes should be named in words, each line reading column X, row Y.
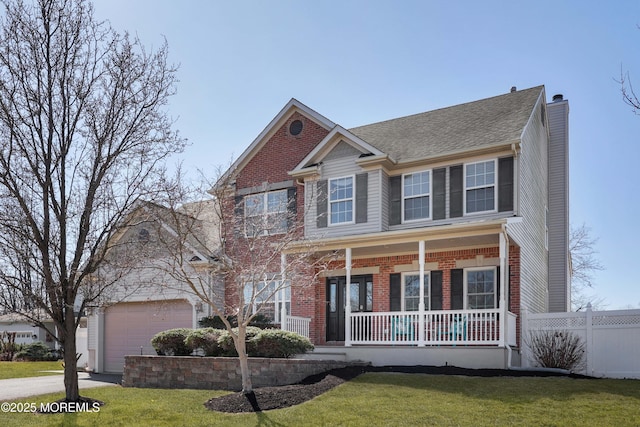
column 445, row 327
column 440, row 310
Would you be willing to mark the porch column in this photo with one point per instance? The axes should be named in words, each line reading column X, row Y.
column 347, row 307
column 283, row 292
column 504, row 277
column 421, row 307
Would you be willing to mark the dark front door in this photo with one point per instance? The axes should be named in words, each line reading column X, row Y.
column 361, row 300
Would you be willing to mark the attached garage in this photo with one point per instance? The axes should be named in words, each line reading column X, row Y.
column 130, row 326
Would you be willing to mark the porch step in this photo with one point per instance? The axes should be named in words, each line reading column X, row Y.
column 326, row 353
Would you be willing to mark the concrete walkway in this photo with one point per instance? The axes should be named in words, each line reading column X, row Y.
column 19, row 388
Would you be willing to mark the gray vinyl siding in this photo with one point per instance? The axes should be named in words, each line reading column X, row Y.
column 530, row 200
column 559, row 278
column 341, row 162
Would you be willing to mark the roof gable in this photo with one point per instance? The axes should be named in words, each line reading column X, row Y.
column 292, row 107
column 336, row 136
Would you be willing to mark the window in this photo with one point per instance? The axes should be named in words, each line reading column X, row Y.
column 411, row 291
column 481, row 288
column 341, row 200
column 265, row 297
column 416, row 191
column 266, row 213
column 480, row 186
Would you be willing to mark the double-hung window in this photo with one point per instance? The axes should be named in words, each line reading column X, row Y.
column 266, row 213
column 265, row 297
column 416, row 195
column 481, row 288
column 480, row 186
column 411, row 291
column 341, row 200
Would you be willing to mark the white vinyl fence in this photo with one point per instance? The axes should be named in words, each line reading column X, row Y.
column 611, row 338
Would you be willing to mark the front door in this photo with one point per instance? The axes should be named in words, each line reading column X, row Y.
column 361, row 291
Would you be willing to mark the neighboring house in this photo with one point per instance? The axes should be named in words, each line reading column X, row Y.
column 145, row 298
column 447, row 224
column 26, row 331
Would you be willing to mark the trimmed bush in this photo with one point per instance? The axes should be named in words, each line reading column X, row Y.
column 226, row 341
column 260, row 321
column 279, row 343
column 172, row 342
column 205, row 339
column 35, row 352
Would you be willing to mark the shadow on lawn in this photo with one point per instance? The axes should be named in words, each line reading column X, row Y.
column 500, row 384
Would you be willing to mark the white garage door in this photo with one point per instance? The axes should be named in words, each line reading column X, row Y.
column 129, row 326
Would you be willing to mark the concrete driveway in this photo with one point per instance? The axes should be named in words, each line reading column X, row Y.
column 18, row 388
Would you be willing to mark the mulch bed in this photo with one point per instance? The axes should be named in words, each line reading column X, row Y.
column 267, row 398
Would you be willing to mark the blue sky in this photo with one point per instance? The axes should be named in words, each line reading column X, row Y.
column 358, row 62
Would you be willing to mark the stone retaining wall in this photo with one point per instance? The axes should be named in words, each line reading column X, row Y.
column 218, row 373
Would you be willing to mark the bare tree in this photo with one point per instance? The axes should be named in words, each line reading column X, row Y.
column 628, row 93
column 584, row 263
column 256, row 255
column 84, row 134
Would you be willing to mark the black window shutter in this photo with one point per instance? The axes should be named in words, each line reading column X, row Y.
column 436, row 290
column 238, row 212
column 322, row 196
column 505, row 184
column 395, row 200
column 292, row 206
column 457, row 289
column 362, row 193
column 395, row 292
column 455, row 191
column 439, row 193
column 497, row 286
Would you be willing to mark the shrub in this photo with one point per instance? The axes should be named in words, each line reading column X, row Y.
column 557, row 349
column 171, row 342
column 8, row 346
column 279, row 343
column 35, row 352
column 205, row 339
column 226, row 341
column 259, row 321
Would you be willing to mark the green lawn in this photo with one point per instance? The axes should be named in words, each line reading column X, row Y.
column 27, row 369
column 378, row 399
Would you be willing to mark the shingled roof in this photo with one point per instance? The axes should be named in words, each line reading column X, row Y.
column 487, row 122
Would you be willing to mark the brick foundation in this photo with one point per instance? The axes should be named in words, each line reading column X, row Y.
column 218, row 373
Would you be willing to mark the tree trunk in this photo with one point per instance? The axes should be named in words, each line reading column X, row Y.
column 241, row 348
column 70, row 361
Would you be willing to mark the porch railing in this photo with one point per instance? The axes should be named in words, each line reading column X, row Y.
column 299, row 325
column 450, row 327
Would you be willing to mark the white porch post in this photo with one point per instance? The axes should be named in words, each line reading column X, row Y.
column 347, row 307
column 421, row 307
column 502, row 304
column 283, row 292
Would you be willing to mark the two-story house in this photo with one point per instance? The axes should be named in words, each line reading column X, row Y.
column 446, row 225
